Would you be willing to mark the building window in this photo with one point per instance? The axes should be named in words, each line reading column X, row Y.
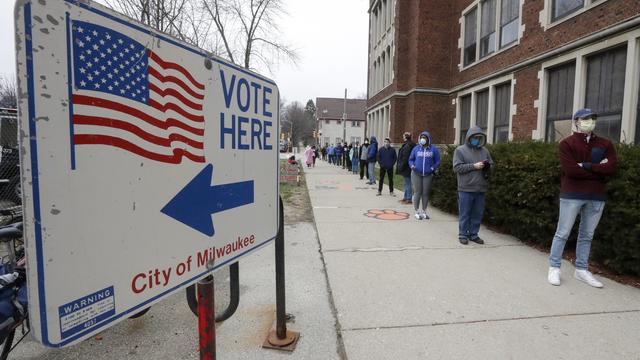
column 470, row 22
column 562, row 8
column 488, row 28
column 327, row 122
column 465, row 116
column 326, row 141
column 560, row 101
column 499, row 22
column 482, row 109
column 605, row 90
column 509, row 24
column 502, row 113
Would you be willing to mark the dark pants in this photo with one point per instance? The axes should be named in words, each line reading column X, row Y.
column 363, row 169
column 382, row 173
column 471, row 209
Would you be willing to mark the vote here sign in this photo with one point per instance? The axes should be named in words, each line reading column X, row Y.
column 146, row 164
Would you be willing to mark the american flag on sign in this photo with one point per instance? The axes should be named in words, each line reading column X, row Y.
column 126, row 96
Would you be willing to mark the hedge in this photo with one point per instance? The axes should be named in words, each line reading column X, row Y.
column 523, row 200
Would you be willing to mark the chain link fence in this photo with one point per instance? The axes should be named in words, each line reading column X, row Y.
column 10, row 191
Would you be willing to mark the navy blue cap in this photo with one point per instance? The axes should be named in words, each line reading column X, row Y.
column 584, row 113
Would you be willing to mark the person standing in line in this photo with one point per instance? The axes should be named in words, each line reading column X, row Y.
column 372, row 156
column 587, row 160
column 332, row 152
column 403, row 168
column 355, row 153
column 308, row 154
column 323, row 152
column 315, row 154
column 424, row 161
column 364, row 149
column 472, row 163
column 347, row 157
column 387, row 158
column 338, row 156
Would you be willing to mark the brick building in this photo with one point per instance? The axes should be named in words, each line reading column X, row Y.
column 330, row 125
column 517, row 68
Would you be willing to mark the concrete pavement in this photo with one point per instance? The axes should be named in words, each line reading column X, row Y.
column 408, row 290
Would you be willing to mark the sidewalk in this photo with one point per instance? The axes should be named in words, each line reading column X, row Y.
column 408, row 290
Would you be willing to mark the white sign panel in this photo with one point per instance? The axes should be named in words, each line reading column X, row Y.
column 144, row 161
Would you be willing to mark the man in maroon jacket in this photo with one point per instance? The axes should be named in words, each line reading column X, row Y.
column 587, row 161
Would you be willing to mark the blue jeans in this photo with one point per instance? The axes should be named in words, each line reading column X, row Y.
column 372, row 177
column 408, row 191
column 471, row 209
column 354, row 165
column 590, row 213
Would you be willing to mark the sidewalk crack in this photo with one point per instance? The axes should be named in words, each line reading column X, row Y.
column 486, row 321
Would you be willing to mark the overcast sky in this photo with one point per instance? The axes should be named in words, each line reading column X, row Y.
column 331, row 37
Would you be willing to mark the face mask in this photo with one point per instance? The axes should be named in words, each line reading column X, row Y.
column 366, row 143
column 586, row 126
column 386, row 144
column 475, row 142
column 423, row 141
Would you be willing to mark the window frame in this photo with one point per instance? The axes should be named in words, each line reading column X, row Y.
column 630, row 106
column 477, row 5
column 547, row 120
column 509, row 112
column 489, row 86
column 549, row 20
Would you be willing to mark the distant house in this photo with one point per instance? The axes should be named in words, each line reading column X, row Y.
column 330, row 126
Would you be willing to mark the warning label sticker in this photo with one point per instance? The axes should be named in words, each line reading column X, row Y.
column 86, row 312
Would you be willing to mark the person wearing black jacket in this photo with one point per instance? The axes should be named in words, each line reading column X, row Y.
column 402, row 167
column 362, row 155
column 386, row 158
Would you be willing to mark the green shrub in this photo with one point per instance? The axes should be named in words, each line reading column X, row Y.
column 523, row 199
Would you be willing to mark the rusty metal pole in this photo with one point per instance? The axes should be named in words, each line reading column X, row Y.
column 281, row 299
column 206, row 319
column 281, row 338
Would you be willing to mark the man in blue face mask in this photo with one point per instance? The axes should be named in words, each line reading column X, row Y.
column 472, row 163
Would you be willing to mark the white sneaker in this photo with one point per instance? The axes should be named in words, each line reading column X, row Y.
column 587, row 277
column 554, row 276
column 418, row 216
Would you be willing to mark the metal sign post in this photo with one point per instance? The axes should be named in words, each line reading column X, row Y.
column 143, row 159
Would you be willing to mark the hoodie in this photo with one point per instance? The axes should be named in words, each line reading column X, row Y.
column 424, row 160
column 470, row 179
column 372, row 151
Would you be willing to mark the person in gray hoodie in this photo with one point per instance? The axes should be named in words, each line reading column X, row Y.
column 472, row 163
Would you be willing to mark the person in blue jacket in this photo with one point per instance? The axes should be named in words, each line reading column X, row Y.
column 423, row 161
column 332, row 152
column 339, row 151
column 386, row 158
column 372, row 157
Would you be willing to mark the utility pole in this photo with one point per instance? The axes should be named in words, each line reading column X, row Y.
column 344, row 118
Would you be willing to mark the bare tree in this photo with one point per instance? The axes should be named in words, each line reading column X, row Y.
column 248, row 30
column 245, row 32
column 8, row 92
column 183, row 19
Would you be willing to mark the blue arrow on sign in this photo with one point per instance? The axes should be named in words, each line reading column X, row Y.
column 196, row 202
